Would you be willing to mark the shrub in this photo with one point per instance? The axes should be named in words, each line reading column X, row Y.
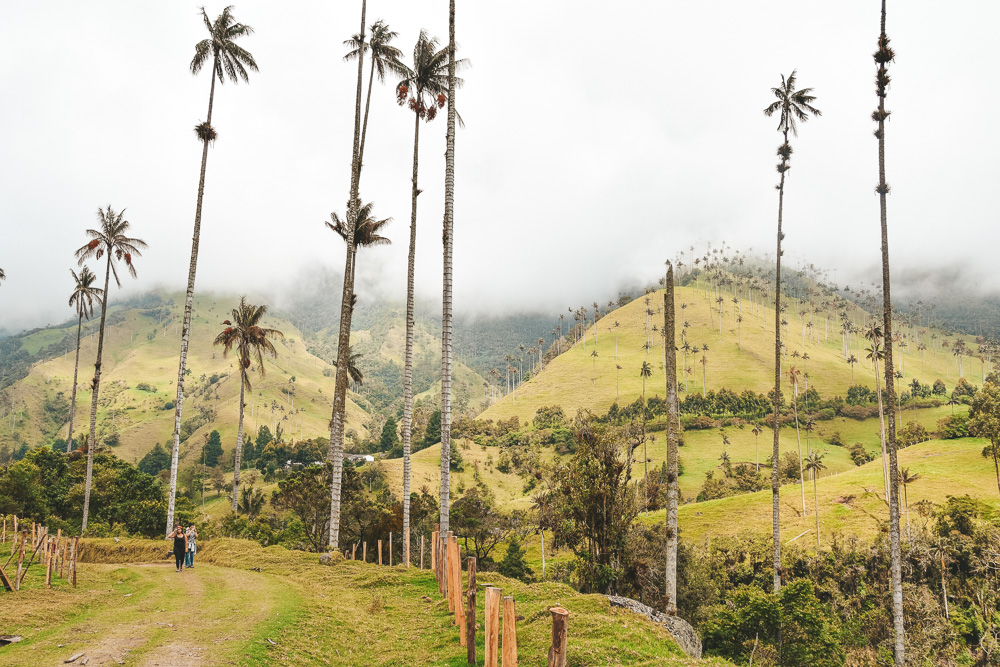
column 513, row 564
column 953, row 426
column 859, row 454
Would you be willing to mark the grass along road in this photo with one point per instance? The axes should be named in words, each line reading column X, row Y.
column 347, row 614
column 148, row 615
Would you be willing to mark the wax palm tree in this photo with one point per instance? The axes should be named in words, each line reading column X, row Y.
column 83, row 297
column 251, row 342
column 228, row 60
column 353, row 370
column 385, row 59
column 111, row 240
column 645, row 372
column 335, row 449
column 367, row 232
column 594, row 355
column 447, row 238
column 793, row 379
column 756, row 430
column 883, row 56
column 3, row 276
column 814, row 463
column 906, row 478
column 673, row 432
column 875, row 353
column 704, row 371
column 794, row 106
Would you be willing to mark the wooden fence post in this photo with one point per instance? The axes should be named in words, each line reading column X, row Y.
column 62, row 561
column 443, row 540
column 74, row 553
column 509, row 633
column 20, row 562
column 3, row 539
column 390, row 548
column 364, row 553
column 50, row 550
column 450, row 573
column 354, row 551
column 434, row 537
column 491, row 629
column 380, row 552
column 421, row 552
column 456, row 581
column 557, row 652
column 470, row 614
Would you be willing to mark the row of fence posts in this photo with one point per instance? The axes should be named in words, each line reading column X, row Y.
column 447, row 565
column 57, row 553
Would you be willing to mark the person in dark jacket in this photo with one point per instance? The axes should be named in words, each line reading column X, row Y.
column 180, row 545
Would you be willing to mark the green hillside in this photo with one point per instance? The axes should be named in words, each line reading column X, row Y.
column 739, row 357
column 140, row 362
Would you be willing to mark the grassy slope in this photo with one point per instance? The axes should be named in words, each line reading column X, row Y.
column 569, row 381
column 348, row 614
column 946, row 467
column 131, row 358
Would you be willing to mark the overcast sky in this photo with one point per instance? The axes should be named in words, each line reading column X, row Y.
column 601, row 138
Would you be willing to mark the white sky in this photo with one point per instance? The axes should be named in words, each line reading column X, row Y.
column 601, row 139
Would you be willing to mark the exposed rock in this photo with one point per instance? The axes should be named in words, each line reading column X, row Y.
column 330, row 558
column 679, row 629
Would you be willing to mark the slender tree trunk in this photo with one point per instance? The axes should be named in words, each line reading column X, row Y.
column 798, row 440
column 673, row 431
column 816, row 503
column 76, row 370
column 776, row 454
column 408, row 354
column 448, row 236
column 881, row 429
column 996, row 464
column 239, row 440
column 906, row 501
column 96, row 388
column 368, row 102
column 186, row 322
column 896, row 558
column 335, row 451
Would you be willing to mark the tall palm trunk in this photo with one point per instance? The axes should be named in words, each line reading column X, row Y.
column 76, row 370
column 883, row 190
column 881, row 430
column 335, row 452
column 816, row 503
column 798, row 440
column 672, row 441
column 239, row 440
column 96, row 388
column 408, row 354
column 776, row 454
column 448, row 236
column 186, row 323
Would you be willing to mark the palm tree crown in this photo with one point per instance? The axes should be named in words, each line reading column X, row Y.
column 366, row 232
column 228, row 59
column 426, row 85
column 250, row 339
column 795, row 105
column 111, row 239
column 84, row 294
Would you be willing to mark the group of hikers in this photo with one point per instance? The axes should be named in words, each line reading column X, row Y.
column 185, row 545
